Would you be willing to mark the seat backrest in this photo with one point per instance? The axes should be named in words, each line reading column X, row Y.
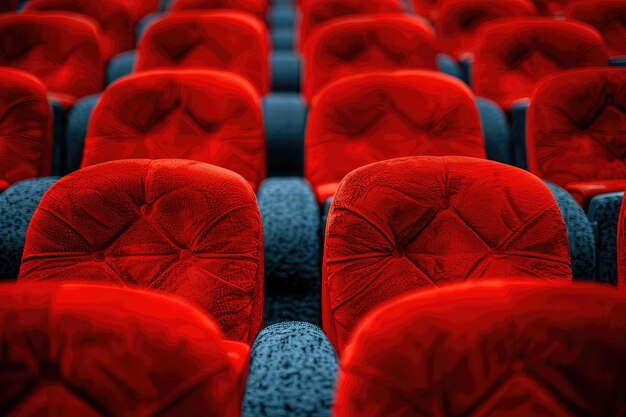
column 490, row 349
column 92, row 350
column 113, row 16
column 607, row 16
column 459, row 20
column 230, row 41
column 316, row 12
column 551, row 7
column 8, row 6
column 142, row 8
column 178, row 226
column 369, row 118
column 62, row 50
column 25, row 128
column 256, row 7
column 366, row 43
column 203, row 115
column 576, row 126
column 511, row 55
column 427, row 8
column 424, row 222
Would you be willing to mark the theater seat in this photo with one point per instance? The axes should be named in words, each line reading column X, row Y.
column 551, row 7
column 489, row 349
column 366, row 43
column 368, row 118
column 203, row 115
column 425, row 222
column 512, row 54
column 223, row 40
column 607, row 16
column 316, row 12
column 427, row 8
column 576, row 128
column 181, row 227
column 113, row 16
column 25, row 128
column 83, row 350
column 256, row 7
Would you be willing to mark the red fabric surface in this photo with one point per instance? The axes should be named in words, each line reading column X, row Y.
column 141, row 8
column 366, row 43
column 25, row 128
column 585, row 191
column 576, row 128
column 459, row 20
column 181, row 227
column 551, row 7
column 607, row 16
column 373, row 117
column 255, row 7
column 203, row 115
column 61, row 49
column 113, row 16
column 427, row 8
column 490, row 349
column 232, row 41
column 621, row 248
column 82, row 350
column 425, row 222
column 8, row 6
column 512, row 55
column 316, row 12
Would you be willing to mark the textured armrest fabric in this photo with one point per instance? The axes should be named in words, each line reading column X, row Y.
column 604, row 214
column 496, row 131
column 77, row 123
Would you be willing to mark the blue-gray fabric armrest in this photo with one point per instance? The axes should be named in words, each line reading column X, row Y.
column 519, row 111
column 603, row 213
column 285, row 117
column 579, row 233
column 17, row 206
column 60, row 125
column 291, row 222
column 283, row 39
column 293, row 372
column 145, row 23
column 449, row 65
column 282, row 16
column 77, row 122
column 120, row 66
column 496, row 131
column 617, row 61
column 165, row 4
column 286, row 69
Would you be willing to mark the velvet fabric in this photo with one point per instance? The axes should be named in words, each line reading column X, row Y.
column 511, row 55
column 226, row 40
column 367, row 43
column 621, row 248
column 607, row 16
column 427, row 8
column 368, row 118
column 8, row 6
column 177, row 226
column 203, row 115
column 490, row 349
column 84, row 350
column 258, row 8
column 25, row 128
column 425, row 222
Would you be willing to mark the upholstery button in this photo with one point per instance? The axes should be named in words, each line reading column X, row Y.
column 99, row 256
column 445, row 204
column 146, row 209
column 184, row 254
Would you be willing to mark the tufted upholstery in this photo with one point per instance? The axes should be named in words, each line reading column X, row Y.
column 316, row 12
column 511, row 55
column 459, row 20
column 368, row 118
column 576, row 129
column 182, row 227
column 366, row 43
column 621, row 248
column 25, row 128
column 208, row 116
column 607, row 16
column 62, row 50
column 113, row 16
column 427, row 8
column 424, row 222
column 490, row 349
column 255, row 7
column 83, row 350
column 232, row 41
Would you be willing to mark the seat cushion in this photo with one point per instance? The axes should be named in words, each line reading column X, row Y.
column 256, row 7
column 607, row 16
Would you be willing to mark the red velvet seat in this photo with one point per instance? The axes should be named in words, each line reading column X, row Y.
column 141, row 8
column 511, row 55
column 351, row 46
column 607, row 16
column 459, row 20
column 225, row 40
column 368, row 118
column 113, row 16
column 8, row 6
column 316, row 12
column 256, row 7
column 575, row 131
column 25, row 128
column 203, row 115
column 84, row 350
column 490, row 349
column 424, row 222
column 178, row 226
column 427, row 8
column 62, row 50
column 551, row 7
